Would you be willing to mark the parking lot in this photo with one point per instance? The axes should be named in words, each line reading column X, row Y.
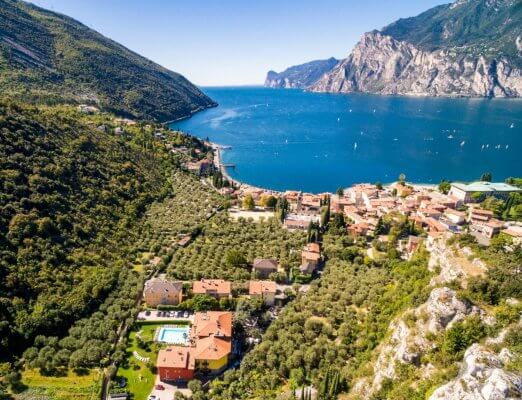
column 165, row 316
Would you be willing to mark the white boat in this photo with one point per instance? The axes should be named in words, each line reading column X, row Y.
column 355, row 146
column 462, row 143
column 450, row 137
column 512, row 125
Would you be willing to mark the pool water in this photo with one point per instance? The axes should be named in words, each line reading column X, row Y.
column 174, row 335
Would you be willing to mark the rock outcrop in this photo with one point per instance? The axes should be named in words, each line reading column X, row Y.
column 384, row 65
column 409, row 341
column 300, row 76
column 454, row 262
column 482, row 377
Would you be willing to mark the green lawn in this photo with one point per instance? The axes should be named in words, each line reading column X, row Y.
column 140, row 378
column 70, row 387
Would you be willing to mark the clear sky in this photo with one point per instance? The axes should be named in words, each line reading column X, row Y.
column 235, row 42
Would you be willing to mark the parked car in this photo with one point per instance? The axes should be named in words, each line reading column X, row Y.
column 172, row 314
column 158, row 314
column 152, row 397
column 160, row 387
column 186, row 314
column 147, row 312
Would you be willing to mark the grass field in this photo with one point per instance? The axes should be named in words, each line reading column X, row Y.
column 70, row 387
column 140, row 378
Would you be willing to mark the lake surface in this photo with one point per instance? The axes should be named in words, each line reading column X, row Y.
column 289, row 139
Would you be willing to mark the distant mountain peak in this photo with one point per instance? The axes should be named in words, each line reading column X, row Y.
column 300, row 76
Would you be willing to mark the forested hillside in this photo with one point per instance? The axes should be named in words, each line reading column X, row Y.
column 364, row 329
column 49, row 58
column 71, row 200
column 487, row 28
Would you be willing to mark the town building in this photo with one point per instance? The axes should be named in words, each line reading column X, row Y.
column 310, row 258
column 454, row 216
column 464, row 192
column 265, row 290
column 159, row 291
column 209, row 349
column 217, row 288
column 489, row 228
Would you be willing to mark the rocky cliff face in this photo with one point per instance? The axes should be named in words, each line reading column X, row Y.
column 484, row 371
column 482, row 377
column 384, row 65
column 300, row 76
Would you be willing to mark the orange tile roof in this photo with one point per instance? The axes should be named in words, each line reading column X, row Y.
column 310, row 255
column 176, row 357
column 313, row 247
column 211, row 285
column 260, row 287
column 212, row 348
column 210, row 323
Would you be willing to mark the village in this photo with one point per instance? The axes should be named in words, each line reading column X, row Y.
column 200, row 339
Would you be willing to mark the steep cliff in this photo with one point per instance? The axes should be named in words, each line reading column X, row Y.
column 300, row 76
column 468, row 48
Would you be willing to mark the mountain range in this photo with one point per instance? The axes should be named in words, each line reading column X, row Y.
column 51, row 58
column 469, row 48
column 300, row 76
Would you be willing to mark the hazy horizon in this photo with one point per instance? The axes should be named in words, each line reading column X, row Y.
column 232, row 43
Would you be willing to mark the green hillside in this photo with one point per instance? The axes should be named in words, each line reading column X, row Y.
column 50, row 58
column 485, row 27
column 70, row 205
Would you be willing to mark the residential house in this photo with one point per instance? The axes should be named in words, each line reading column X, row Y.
column 454, row 216
column 175, row 364
column 263, row 267
column 310, row 258
column 515, row 232
column 434, row 225
column 310, row 203
column 265, row 290
column 159, row 291
column 360, row 229
column 185, row 241
column 479, row 215
column 489, row 228
column 217, row 288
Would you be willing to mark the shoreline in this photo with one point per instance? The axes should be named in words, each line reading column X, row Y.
column 218, row 164
column 217, row 149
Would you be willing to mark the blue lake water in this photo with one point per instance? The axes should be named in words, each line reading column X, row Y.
column 290, row 139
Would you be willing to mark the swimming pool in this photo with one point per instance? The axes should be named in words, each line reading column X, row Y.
column 173, row 335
